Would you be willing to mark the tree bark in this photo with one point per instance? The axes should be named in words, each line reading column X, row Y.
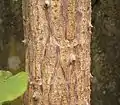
column 57, row 37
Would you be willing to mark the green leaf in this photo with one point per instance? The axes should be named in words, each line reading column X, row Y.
column 13, row 87
column 4, row 75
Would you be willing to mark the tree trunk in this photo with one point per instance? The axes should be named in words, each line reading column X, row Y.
column 57, row 36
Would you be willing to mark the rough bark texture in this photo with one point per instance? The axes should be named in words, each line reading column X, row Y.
column 58, row 52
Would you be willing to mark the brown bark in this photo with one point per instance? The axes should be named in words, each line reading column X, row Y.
column 58, row 52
